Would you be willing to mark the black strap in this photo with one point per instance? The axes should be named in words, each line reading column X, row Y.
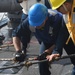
column 38, row 0
column 47, row 4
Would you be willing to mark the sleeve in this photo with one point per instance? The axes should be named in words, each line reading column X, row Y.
column 61, row 38
column 18, row 31
column 23, row 33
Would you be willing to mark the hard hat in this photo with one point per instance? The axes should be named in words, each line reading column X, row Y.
column 56, row 4
column 37, row 14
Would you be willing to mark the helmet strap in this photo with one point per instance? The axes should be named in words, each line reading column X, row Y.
column 65, row 7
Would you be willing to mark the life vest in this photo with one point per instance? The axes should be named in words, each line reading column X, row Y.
column 71, row 24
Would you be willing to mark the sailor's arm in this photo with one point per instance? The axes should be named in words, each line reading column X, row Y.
column 17, row 43
column 60, row 42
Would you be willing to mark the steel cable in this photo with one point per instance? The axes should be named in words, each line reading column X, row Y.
column 29, row 63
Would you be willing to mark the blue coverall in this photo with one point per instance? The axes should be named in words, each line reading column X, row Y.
column 52, row 33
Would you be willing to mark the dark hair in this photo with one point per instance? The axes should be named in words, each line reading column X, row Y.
column 71, row 1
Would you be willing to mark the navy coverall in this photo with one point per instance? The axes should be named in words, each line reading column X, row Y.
column 53, row 32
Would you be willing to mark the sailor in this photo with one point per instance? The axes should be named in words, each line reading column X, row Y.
column 66, row 7
column 26, row 4
column 14, row 21
column 49, row 28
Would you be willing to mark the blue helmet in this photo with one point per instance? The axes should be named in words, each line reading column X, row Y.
column 37, row 14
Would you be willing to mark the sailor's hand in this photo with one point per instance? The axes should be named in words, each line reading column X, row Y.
column 42, row 56
column 19, row 56
column 52, row 56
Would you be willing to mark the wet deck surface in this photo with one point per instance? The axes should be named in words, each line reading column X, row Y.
column 62, row 67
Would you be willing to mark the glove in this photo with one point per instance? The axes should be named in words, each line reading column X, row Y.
column 42, row 56
column 19, row 56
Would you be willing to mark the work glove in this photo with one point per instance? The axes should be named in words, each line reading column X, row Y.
column 42, row 56
column 19, row 56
